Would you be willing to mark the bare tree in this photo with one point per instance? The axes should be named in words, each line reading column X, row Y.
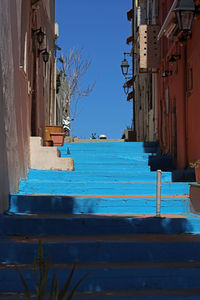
column 73, row 66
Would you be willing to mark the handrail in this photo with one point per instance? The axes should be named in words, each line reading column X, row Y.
column 158, row 193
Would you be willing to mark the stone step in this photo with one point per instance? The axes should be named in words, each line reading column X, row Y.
column 163, row 162
column 101, row 188
column 186, row 294
column 98, row 157
column 116, row 249
column 47, row 157
column 99, row 167
column 108, row 278
column 86, row 225
column 90, row 157
column 140, row 147
column 99, row 154
column 79, row 154
column 123, row 156
column 52, row 204
column 125, row 175
column 116, row 175
column 113, row 162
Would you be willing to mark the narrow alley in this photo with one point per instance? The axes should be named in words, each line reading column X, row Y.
column 100, row 151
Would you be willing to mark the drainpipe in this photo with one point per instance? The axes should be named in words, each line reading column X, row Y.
column 148, row 12
column 185, row 105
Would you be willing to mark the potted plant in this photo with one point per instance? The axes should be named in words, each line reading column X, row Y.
column 57, row 138
column 196, row 165
column 48, row 138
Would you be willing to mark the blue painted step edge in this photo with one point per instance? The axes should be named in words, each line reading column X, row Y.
column 109, row 279
column 94, row 226
column 44, row 204
column 101, row 188
column 101, row 251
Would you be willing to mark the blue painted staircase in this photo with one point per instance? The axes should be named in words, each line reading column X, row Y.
column 102, row 217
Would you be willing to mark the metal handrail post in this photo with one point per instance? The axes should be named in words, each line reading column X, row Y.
column 158, row 193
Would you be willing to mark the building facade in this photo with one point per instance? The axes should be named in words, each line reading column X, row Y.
column 165, row 76
column 143, row 16
column 178, row 84
column 27, row 84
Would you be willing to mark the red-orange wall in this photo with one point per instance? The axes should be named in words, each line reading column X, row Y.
column 187, row 102
column 193, row 98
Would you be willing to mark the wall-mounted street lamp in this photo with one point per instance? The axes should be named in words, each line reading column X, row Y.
column 40, row 35
column 128, row 84
column 45, row 54
column 125, row 65
column 126, row 88
column 185, row 11
column 166, row 73
column 174, row 57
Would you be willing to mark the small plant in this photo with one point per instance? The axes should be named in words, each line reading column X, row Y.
column 195, row 164
column 41, row 273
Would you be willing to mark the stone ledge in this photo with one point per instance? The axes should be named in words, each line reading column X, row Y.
column 48, row 158
column 77, row 140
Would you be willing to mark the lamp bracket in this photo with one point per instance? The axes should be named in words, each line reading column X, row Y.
column 174, row 57
column 126, row 53
column 42, row 50
column 38, row 30
column 166, row 73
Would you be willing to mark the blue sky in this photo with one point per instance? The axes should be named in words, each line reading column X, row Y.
column 101, row 29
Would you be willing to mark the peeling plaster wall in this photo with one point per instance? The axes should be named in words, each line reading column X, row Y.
column 145, row 111
column 45, row 100
column 145, row 108
column 14, row 103
column 50, row 9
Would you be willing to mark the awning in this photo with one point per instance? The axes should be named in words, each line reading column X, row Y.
column 130, row 83
column 130, row 39
column 168, row 20
column 130, row 96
